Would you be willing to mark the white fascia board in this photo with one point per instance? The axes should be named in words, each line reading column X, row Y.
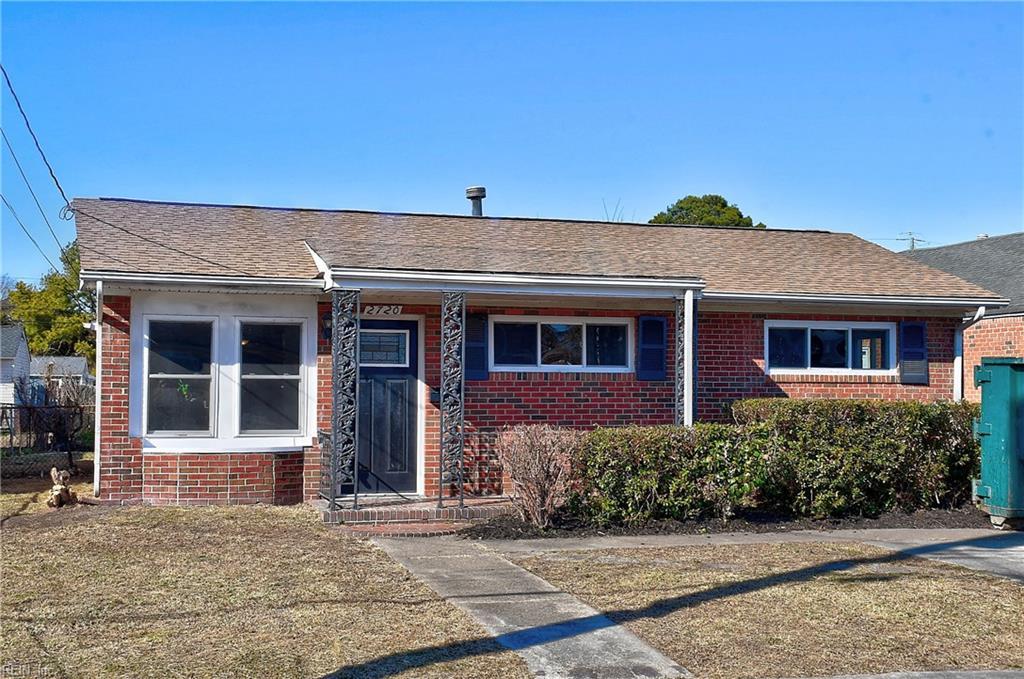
column 322, row 266
column 253, row 282
column 524, row 284
column 854, row 299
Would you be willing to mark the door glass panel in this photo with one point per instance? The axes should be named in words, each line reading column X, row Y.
column 387, row 348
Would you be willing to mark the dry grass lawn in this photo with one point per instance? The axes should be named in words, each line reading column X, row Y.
column 28, row 495
column 225, row 592
column 779, row 611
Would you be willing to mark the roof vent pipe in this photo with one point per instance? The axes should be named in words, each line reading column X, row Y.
column 476, row 195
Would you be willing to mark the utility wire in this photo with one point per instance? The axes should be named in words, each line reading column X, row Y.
column 79, row 210
column 27, row 184
column 39, row 148
column 68, row 211
column 23, row 228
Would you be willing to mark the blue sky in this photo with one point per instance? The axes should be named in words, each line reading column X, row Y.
column 870, row 118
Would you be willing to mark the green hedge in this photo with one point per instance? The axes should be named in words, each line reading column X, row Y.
column 866, row 457
column 804, row 457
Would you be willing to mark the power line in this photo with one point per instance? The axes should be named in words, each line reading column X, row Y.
column 18, row 219
column 68, row 211
column 27, row 184
column 39, row 148
column 79, row 210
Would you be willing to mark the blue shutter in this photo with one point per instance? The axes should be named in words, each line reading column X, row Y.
column 476, row 347
column 913, row 352
column 652, row 349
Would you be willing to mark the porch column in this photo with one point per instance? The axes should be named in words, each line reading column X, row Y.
column 453, row 352
column 344, row 392
column 684, row 356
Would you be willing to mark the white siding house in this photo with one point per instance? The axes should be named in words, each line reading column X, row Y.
column 14, row 361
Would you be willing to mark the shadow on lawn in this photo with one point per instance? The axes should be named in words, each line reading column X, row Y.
column 399, row 662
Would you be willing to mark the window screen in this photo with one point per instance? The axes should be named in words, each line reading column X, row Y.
column 561, row 344
column 870, row 350
column 515, row 344
column 787, row 347
column 271, row 376
column 179, row 381
column 607, row 345
column 828, row 348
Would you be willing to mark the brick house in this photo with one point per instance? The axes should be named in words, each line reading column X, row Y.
column 251, row 354
column 995, row 263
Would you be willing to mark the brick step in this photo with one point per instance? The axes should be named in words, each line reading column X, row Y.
column 409, row 515
column 400, row 530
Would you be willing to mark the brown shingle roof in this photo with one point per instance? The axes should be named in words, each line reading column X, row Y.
column 234, row 240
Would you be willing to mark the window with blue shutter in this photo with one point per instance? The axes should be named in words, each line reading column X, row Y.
column 652, row 348
column 913, row 352
column 476, row 347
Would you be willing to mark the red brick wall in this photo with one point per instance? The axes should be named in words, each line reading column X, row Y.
column 730, row 354
column 990, row 337
column 217, row 479
column 730, row 357
column 120, row 455
column 127, row 476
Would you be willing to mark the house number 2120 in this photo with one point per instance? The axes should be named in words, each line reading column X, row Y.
column 382, row 310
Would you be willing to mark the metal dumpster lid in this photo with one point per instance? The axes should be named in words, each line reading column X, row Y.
column 1002, row 360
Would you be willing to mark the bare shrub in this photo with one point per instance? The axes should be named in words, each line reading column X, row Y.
column 538, row 459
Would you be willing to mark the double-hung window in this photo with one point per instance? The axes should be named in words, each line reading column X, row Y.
column 180, row 377
column 554, row 344
column 270, row 380
column 828, row 347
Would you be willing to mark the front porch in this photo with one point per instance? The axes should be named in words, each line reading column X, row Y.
column 417, row 381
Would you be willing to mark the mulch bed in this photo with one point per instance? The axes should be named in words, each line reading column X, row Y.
column 511, row 527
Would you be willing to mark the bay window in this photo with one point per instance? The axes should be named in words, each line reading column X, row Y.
column 829, row 347
column 554, row 344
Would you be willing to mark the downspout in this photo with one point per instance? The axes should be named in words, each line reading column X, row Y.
column 958, row 353
column 98, row 391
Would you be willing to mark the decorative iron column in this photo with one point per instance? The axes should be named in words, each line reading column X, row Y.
column 453, row 323
column 345, row 391
column 684, row 358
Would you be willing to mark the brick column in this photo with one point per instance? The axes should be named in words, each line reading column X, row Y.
column 120, row 455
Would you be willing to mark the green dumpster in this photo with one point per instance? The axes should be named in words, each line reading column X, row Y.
column 1000, row 429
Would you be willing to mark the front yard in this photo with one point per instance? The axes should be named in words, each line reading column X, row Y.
column 231, row 591
column 803, row 609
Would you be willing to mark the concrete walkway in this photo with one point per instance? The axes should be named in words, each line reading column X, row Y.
column 554, row 632
column 1000, row 553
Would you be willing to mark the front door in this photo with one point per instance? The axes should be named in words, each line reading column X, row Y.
column 388, row 384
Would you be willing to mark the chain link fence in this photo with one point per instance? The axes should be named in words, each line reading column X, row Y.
column 35, row 438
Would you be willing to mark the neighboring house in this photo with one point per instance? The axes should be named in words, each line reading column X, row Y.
column 14, row 364
column 228, row 331
column 995, row 263
column 73, row 369
column 62, row 380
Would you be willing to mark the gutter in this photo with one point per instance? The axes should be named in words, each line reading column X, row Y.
column 504, row 283
column 958, row 353
column 261, row 282
column 855, row 299
column 97, row 392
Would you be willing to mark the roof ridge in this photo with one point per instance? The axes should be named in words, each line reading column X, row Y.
column 459, row 216
column 970, row 242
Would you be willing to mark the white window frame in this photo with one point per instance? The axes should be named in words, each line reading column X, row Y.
column 211, row 432
column 387, row 331
column 276, row 320
column 627, row 322
column 844, row 326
